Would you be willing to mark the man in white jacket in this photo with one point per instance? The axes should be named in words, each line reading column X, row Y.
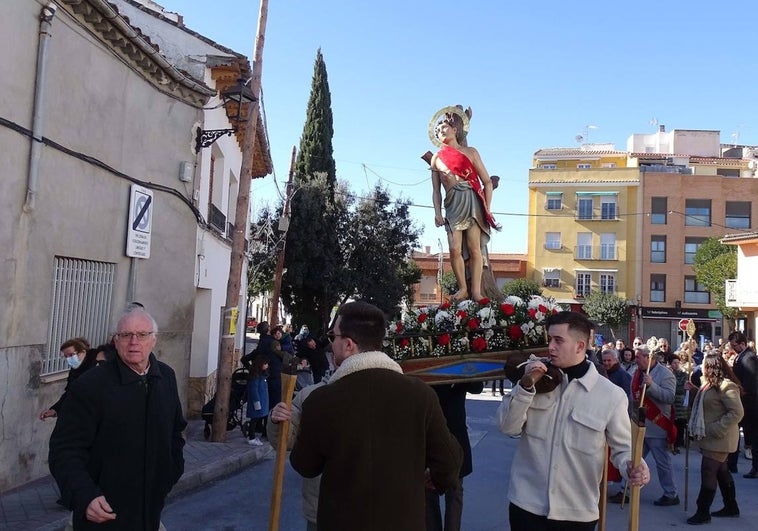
column 558, row 466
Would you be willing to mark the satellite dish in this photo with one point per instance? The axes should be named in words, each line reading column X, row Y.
column 579, row 139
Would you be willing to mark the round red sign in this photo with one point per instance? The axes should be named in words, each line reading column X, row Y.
column 683, row 324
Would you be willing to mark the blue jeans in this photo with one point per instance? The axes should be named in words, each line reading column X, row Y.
column 659, row 449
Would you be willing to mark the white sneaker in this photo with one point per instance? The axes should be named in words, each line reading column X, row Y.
column 254, row 442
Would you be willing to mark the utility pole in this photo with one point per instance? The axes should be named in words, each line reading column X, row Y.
column 241, row 228
column 284, row 225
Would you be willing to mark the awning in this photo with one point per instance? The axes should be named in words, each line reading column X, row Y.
column 551, row 269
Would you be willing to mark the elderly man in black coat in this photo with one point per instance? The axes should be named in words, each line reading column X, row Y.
column 116, row 450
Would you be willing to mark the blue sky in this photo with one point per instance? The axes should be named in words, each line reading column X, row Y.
column 535, row 76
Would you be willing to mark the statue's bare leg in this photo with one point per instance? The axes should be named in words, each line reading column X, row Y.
column 455, row 242
column 476, row 262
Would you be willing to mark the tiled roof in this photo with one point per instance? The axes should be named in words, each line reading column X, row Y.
column 225, row 72
column 740, row 237
column 578, row 152
column 132, row 46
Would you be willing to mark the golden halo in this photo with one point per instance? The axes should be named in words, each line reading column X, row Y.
column 435, row 119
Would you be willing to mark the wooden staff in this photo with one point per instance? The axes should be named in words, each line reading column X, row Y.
column 638, row 442
column 690, row 332
column 289, row 379
column 603, row 494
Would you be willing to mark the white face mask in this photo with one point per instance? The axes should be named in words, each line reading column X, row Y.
column 74, row 361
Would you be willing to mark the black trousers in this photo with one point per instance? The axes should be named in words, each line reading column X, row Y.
column 522, row 520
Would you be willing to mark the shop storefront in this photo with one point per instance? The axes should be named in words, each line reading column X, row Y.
column 664, row 322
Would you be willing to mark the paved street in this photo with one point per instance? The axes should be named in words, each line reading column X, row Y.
column 241, row 502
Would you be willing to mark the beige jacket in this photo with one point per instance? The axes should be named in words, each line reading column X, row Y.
column 722, row 411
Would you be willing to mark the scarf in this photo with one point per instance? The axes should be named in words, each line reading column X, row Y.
column 697, row 419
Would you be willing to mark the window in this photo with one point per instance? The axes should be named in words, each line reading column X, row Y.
column 658, row 210
column 583, row 166
column 608, row 207
column 551, row 277
column 697, row 212
column 548, row 166
column 608, row 246
column 584, row 208
column 583, row 283
column 609, row 165
column 584, row 246
column 554, row 201
column 695, row 292
column 658, row 249
column 607, row 283
column 657, row 288
column 737, row 214
column 552, row 240
column 81, row 305
column 691, row 245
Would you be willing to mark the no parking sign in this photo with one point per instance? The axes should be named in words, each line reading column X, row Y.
column 140, row 221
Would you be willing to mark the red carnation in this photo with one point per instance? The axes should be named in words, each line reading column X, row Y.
column 507, row 309
column 461, row 314
column 445, row 305
column 443, row 339
column 404, row 342
column 422, row 317
column 515, row 333
column 484, row 302
column 399, row 327
column 473, row 324
column 478, row 344
column 543, row 309
column 532, row 313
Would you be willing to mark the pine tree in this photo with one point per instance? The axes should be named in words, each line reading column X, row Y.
column 312, row 256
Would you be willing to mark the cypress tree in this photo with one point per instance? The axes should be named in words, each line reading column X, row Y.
column 312, row 255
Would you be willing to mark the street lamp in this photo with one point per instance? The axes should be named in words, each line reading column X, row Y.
column 234, row 98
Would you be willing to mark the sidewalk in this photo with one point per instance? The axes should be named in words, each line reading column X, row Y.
column 33, row 507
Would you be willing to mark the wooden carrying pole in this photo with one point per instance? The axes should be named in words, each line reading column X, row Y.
column 289, row 378
column 603, row 494
column 638, row 442
column 690, row 348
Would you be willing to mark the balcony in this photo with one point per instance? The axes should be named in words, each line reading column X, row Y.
column 596, row 252
column 595, row 214
column 216, row 219
column 742, row 294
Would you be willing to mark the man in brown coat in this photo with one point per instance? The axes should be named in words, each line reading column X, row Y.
column 372, row 433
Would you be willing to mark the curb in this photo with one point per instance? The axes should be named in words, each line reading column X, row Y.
column 199, row 476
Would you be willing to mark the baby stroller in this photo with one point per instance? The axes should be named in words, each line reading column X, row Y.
column 237, row 401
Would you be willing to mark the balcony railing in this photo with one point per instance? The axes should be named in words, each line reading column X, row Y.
column 216, row 219
column 551, row 282
column 596, row 215
column 596, row 252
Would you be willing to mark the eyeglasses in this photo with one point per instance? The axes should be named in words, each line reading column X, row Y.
column 330, row 335
column 139, row 336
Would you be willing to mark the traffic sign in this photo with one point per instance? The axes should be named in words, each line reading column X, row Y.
column 139, row 222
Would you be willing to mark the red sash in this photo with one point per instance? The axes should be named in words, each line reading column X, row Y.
column 652, row 412
column 460, row 165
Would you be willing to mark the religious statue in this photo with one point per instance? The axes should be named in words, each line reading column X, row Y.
column 458, row 169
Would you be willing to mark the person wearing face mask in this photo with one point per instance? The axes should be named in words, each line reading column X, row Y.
column 75, row 352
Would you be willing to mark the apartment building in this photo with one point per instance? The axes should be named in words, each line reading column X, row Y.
column 629, row 222
column 505, row 267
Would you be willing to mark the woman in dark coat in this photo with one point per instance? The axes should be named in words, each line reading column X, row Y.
column 79, row 358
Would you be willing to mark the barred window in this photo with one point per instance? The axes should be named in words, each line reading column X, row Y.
column 80, row 306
